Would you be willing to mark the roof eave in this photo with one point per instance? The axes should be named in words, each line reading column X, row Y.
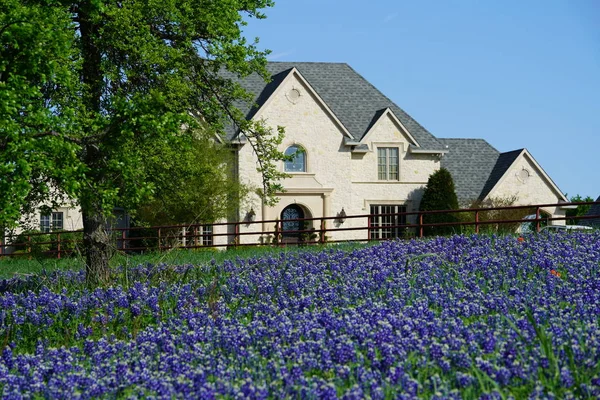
column 239, row 140
column 425, row 151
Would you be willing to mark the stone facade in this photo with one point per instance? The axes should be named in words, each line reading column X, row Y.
column 527, row 182
column 345, row 126
column 336, row 178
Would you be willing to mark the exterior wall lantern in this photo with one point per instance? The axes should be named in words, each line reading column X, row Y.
column 250, row 215
column 341, row 216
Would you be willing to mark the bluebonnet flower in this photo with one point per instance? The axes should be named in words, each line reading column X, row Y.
column 281, row 326
column 566, row 378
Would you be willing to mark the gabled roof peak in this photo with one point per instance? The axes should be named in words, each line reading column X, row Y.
column 351, row 98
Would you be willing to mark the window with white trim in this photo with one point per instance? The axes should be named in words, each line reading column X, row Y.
column 51, row 222
column 199, row 235
column 298, row 161
column 388, row 164
column 207, row 235
column 386, row 221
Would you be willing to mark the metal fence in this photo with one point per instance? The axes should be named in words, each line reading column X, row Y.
column 323, row 230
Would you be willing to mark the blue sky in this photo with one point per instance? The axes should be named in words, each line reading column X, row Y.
column 515, row 73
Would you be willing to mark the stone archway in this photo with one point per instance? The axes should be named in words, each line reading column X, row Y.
column 291, row 220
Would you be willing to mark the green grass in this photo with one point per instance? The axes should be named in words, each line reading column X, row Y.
column 23, row 265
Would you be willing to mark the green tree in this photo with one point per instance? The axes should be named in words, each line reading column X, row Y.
column 439, row 194
column 579, row 211
column 195, row 186
column 95, row 94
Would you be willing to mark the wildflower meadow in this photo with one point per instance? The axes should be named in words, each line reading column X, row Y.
column 461, row 317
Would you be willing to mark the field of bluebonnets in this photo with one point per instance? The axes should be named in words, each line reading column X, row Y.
column 457, row 317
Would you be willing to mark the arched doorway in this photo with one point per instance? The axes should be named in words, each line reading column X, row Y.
column 291, row 217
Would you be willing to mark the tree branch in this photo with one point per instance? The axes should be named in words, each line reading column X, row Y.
column 4, row 146
column 5, row 27
column 252, row 135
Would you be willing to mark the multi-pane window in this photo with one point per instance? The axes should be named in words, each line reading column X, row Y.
column 207, row 235
column 386, row 220
column 51, row 222
column 201, row 235
column 298, row 161
column 388, row 167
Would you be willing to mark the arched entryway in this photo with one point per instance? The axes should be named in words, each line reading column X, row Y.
column 291, row 220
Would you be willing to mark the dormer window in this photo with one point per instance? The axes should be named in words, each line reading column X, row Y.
column 298, row 161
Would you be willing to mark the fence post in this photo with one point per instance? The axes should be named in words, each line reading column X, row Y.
column 123, row 240
column 537, row 219
column 322, row 235
column 58, row 245
column 159, row 244
column 236, row 239
column 477, row 221
column 420, row 225
column 277, row 232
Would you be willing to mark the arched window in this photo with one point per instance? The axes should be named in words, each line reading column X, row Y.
column 298, row 161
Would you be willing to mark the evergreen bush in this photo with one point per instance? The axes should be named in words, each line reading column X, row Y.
column 440, row 194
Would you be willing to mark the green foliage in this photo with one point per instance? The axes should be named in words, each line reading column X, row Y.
column 70, row 243
column 579, row 211
column 45, row 245
column 496, row 215
column 310, row 236
column 439, row 195
column 35, row 59
column 196, row 186
column 33, row 242
column 10, row 266
column 96, row 96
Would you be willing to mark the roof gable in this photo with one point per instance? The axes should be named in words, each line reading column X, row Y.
column 478, row 168
column 380, row 117
column 269, row 94
column 502, row 165
column 523, row 153
column 352, row 99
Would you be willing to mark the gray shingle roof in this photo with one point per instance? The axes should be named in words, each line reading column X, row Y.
column 476, row 166
column 503, row 163
column 594, row 210
column 353, row 100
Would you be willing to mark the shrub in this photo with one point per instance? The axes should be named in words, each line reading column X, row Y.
column 497, row 215
column 34, row 242
column 440, row 194
column 70, row 242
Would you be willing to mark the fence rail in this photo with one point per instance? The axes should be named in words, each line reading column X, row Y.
column 198, row 236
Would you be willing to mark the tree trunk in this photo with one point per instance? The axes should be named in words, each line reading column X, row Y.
column 96, row 242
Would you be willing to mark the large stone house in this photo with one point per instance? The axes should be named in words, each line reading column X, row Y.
column 359, row 152
column 356, row 153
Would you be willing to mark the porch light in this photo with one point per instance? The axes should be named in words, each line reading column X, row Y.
column 250, row 215
column 341, row 216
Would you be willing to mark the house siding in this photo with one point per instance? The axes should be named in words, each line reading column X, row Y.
column 534, row 190
column 335, row 179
